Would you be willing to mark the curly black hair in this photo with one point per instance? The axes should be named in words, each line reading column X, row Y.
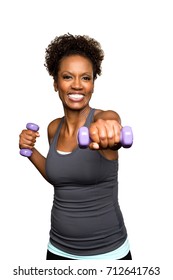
column 69, row 44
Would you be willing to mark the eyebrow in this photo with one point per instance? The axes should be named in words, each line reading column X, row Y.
column 85, row 73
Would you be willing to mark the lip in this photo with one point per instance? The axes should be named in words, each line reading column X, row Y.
column 71, row 92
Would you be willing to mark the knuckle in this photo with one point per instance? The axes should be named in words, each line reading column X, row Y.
column 110, row 137
column 93, row 131
column 92, row 128
column 103, row 137
column 99, row 121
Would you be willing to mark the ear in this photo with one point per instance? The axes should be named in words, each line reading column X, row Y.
column 55, row 86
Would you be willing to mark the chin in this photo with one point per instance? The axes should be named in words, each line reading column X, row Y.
column 76, row 106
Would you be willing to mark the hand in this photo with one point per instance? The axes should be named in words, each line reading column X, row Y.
column 27, row 139
column 104, row 134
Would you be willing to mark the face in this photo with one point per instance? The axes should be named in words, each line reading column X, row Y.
column 75, row 82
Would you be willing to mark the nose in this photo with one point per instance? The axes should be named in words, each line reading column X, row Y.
column 77, row 84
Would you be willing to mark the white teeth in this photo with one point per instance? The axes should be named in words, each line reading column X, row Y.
column 76, row 96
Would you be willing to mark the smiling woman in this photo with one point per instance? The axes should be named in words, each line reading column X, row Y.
column 75, row 81
column 86, row 219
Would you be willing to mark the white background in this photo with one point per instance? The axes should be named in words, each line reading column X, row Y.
column 137, row 82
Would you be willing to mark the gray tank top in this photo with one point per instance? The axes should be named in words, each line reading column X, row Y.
column 86, row 218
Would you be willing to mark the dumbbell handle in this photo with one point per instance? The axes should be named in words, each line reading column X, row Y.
column 126, row 137
column 28, row 152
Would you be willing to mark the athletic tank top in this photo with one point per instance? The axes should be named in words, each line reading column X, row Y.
column 86, row 218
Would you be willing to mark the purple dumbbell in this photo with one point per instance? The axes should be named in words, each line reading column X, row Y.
column 126, row 137
column 28, row 152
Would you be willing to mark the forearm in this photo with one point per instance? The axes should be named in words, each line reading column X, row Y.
column 107, row 115
column 39, row 162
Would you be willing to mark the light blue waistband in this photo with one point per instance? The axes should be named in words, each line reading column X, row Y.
column 119, row 253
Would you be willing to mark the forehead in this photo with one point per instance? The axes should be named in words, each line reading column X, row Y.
column 76, row 62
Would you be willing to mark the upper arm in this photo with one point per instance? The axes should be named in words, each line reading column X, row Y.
column 107, row 115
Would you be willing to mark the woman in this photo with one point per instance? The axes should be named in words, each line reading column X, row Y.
column 86, row 220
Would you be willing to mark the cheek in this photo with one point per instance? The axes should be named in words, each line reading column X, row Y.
column 90, row 88
column 62, row 90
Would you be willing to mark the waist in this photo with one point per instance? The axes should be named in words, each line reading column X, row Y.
column 87, row 227
column 118, row 253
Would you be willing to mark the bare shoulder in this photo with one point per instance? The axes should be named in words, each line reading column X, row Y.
column 52, row 128
column 106, row 115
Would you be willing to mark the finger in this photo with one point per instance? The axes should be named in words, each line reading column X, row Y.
column 110, row 135
column 103, row 138
column 27, row 143
column 32, row 133
column 117, row 133
column 29, row 133
column 93, row 133
column 27, row 139
column 26, row 146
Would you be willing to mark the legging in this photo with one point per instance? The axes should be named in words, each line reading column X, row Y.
column 51, row 256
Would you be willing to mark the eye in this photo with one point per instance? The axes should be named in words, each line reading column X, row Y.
column 86, row 78
column 67, row 77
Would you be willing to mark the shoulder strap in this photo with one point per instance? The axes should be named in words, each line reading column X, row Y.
column 90, row 117
column 57, row 131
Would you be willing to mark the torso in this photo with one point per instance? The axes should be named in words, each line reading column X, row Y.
column 86, row 218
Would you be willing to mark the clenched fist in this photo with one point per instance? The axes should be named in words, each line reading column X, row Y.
column 27, row 139
column 104, row 134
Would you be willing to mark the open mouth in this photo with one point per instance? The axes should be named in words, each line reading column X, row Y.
column 75, row 97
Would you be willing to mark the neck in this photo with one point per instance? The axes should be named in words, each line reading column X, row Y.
column 75, row 119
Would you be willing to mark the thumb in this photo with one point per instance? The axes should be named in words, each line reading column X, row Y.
column 94, row 146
